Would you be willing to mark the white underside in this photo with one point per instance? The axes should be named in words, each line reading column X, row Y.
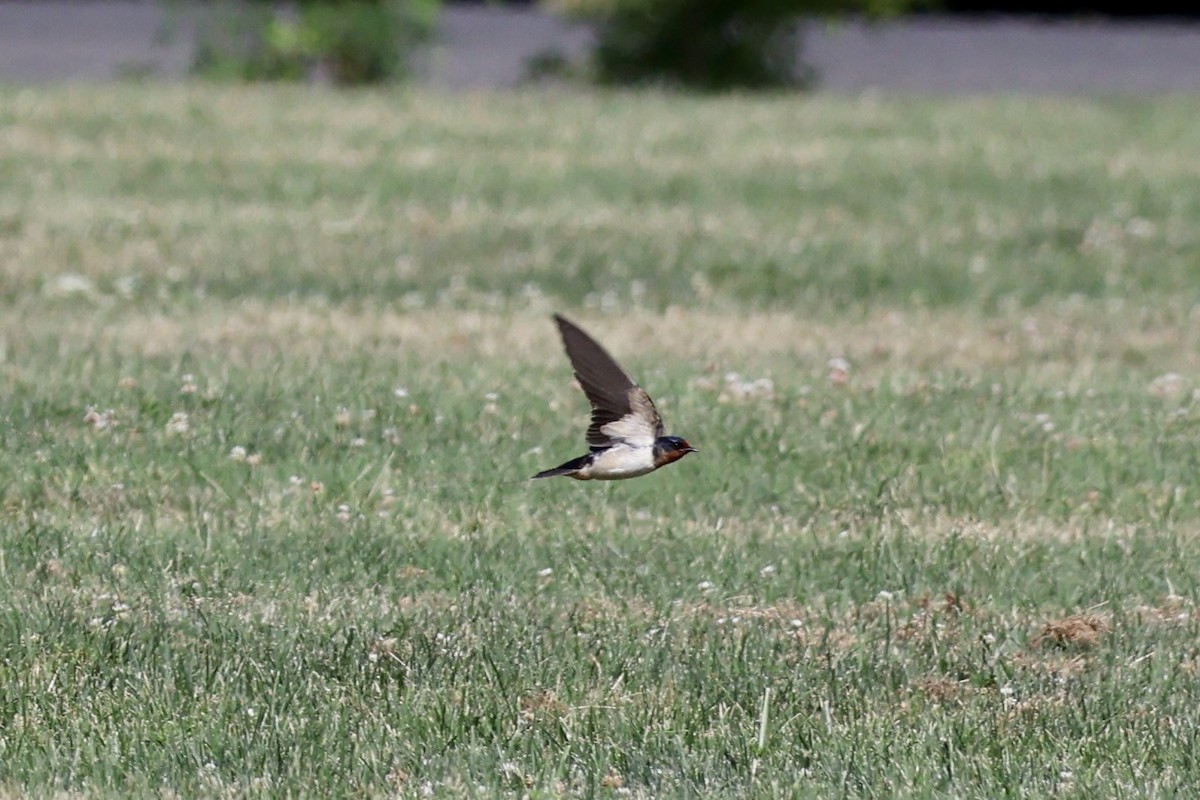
column 619, row 462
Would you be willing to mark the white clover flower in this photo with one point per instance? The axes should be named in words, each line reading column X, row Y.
column 178, row 424
column 738, row 390
column 839, row 371
column 1168, row 385
column 70, row 283
column 99, row 420
column 1140, row 228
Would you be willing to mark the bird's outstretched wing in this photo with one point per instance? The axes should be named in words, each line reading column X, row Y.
column 621, row 410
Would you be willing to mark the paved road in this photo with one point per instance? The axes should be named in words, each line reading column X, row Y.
column 485, row 47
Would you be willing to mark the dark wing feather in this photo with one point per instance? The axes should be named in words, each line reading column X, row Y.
column 613, row 394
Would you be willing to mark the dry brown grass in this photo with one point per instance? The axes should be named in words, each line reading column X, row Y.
column 910, row 350
column 1077, row 630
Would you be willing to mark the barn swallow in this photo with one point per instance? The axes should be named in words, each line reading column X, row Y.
column 626, row 435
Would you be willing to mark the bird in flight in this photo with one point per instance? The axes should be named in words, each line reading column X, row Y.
column 626, row 435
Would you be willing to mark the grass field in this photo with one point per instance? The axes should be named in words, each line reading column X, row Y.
column 273, row 362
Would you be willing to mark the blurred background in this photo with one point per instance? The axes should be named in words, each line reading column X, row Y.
column 839, row 45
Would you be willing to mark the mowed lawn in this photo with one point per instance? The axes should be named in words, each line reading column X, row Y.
column 275, row 363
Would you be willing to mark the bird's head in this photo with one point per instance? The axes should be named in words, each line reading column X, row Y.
column 671, row 448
